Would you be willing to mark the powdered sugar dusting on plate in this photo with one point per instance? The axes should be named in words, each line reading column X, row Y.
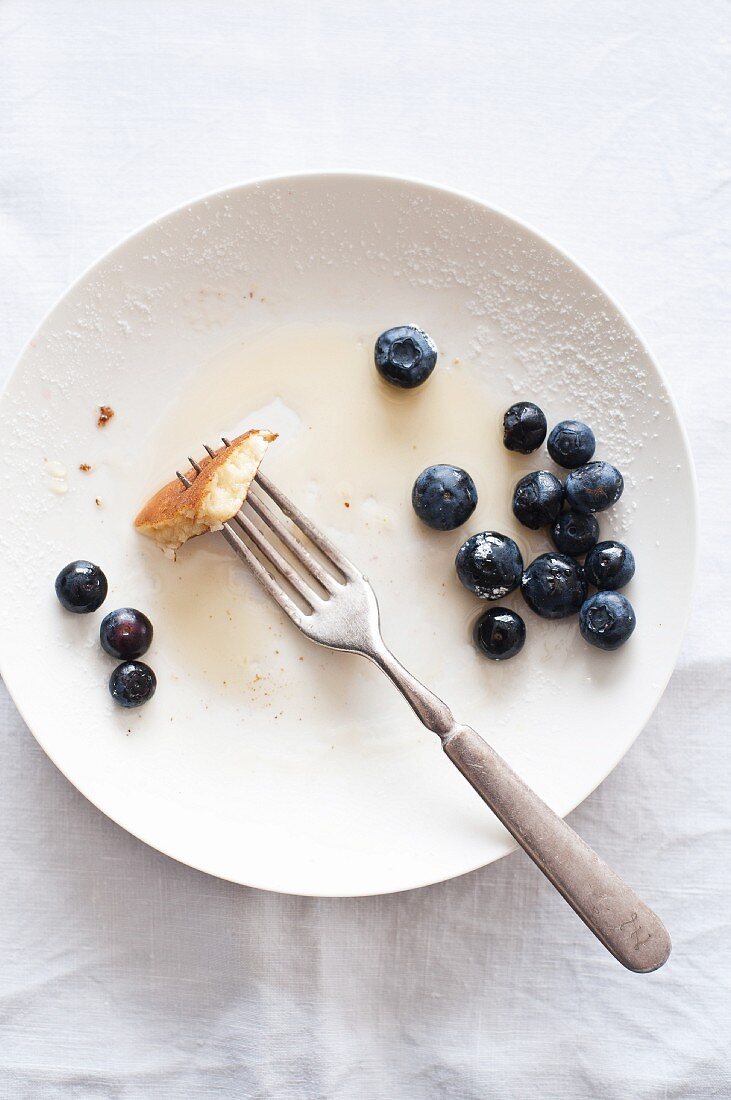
column 215, row 281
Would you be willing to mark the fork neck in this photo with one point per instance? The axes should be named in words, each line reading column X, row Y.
column 428, row 707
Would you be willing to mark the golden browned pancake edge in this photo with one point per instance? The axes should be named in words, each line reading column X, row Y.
column 176, row 502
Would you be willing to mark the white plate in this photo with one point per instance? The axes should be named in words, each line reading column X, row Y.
column 311, row 776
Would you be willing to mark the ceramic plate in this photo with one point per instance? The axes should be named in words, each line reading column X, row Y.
column 262, row 758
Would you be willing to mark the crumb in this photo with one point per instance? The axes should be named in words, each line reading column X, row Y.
column 346, row 504
column 456, row 362
column 85, row 467
column 98, row 502
column 251, row 293
column 106, row 412
column 301, row 658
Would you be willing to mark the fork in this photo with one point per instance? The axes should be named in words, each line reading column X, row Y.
column 341, row 612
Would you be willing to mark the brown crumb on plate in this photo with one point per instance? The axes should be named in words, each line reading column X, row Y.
column 98, row 502
column 106, row 412
column 84, row 467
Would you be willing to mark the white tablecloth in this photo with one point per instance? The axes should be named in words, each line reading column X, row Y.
column 606, row 126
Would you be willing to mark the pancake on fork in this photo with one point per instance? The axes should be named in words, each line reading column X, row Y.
column 177, row 512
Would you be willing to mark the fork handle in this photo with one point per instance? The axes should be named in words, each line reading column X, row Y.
column 607, row 905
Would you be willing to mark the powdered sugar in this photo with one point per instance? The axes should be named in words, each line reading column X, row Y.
column 143, row 333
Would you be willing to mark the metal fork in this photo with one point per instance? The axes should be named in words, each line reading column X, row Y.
column 341, row 612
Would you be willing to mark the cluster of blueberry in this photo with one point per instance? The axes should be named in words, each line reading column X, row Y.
column 490, row 564
column 124, row 634
column 555, row 584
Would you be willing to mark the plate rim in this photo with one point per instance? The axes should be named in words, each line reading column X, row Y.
column 436, row 188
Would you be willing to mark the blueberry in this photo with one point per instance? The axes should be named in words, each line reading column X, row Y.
column 610, row 565
column 444, row 497
column 405, row 356
column 606, row 620
column 81, row 587
column 132, row 684
column 125, row 633
column 524, row 427
column 554, row 586
column 489, row 564
column 575, row 532
column 571, row 444
column 594, row 487
column 537, row 499
column 500, row 633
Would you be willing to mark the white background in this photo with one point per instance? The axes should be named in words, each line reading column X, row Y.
column 606, row 126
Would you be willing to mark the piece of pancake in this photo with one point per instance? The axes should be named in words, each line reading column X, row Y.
column 177, row 513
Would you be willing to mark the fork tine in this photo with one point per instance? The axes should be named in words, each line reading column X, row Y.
column 275, row 558
column 264, row 578
column 313, row 533
column 292, row 543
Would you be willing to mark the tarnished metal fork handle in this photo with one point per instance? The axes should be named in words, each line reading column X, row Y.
column 341, row 612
